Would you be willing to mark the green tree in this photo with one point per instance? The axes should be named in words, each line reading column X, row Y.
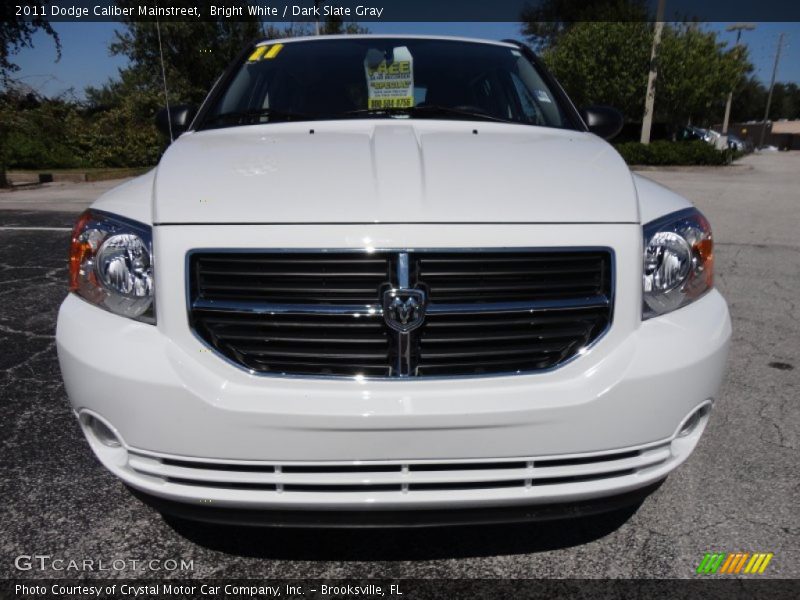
column 785, row 102
column 297, row 29
column 604, row 63
column 545, row 21
column 337, row 26
column 42, row 132
column 121, row 113
column 331, row 26
column 749, row 101
column 607, row 63
column 122, row 130
column 195, row 53
column 16, row 33
column 9, row 121
column 696, row 73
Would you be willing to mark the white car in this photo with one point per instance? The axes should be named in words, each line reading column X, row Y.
column 391, row 279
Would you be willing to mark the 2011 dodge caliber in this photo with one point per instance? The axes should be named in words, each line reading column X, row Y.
column 391, row 279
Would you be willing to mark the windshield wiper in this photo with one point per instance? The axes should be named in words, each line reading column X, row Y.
column 272, row 114
column 431, row 110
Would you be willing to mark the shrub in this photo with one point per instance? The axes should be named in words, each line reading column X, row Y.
column 118, row 137
column 41, row 136
column 663, row 152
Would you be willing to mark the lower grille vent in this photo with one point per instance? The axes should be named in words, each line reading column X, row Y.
column 402, row 478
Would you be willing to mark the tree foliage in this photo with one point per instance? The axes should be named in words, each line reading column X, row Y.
column 607, row 63
column 696, row 73
column 338, row 26
column 785, row 102
column 16, row 33
column 597, row 62
column 195, row 53
column 604, row 63
column 38, row 131
column 750, row 101
column 545, row 21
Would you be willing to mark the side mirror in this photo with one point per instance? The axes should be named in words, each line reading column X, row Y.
column 181, row 117
column 602, row 120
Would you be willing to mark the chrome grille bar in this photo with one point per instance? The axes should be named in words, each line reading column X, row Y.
column 523, row 310
column 357, row 309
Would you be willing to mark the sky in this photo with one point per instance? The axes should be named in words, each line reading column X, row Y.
column 86, row 61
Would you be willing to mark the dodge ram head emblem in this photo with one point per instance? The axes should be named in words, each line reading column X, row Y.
column 404, row 309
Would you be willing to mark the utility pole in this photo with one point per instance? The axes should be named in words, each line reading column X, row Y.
column 316, row 18
column 771, row 86
column 650, row 98
column 738, row 28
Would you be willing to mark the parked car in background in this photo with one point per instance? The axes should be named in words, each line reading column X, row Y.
column 691, row 134
column 711, row 136
column 740, row 145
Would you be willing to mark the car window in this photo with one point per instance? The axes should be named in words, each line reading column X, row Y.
column 380, row 77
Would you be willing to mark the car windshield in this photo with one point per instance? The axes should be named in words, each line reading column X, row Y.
column 349, row 78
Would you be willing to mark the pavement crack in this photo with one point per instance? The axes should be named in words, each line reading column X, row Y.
column 29, row 358
column 27, row 334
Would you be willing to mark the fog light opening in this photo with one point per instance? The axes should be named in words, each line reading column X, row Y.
column 101, row 431
column 690, row 424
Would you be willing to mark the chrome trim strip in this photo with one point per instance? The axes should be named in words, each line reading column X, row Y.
column 535, row 305
column 402, row 461
column 650, row 228
column 261, row 308
column 370, row 310
column 409, row 249
column 403, row 337
column 402, row 270
column 378, row 223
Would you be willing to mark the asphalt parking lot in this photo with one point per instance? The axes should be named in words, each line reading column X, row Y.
column 739, row 491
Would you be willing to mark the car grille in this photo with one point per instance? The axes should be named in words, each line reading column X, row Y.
column 320, row 313
column 412, row 478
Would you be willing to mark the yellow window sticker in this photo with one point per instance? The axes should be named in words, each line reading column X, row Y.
column 265, row 52
column 273, row 52
column 257, row 53
column 390, row 81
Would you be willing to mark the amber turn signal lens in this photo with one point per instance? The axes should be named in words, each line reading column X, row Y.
column 705, row 250
column 79, row 249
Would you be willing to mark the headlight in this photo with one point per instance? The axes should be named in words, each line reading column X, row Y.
column 111, row 264
column 678, row 261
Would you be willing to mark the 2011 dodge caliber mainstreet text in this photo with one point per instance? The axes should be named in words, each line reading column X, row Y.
column 381, row 280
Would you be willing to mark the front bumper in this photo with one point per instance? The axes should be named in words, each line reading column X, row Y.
column 383, row 519
column 606, row 424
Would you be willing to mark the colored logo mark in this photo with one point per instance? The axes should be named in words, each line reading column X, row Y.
column 733, row 563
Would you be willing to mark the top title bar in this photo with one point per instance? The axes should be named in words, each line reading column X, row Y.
column 396, row 10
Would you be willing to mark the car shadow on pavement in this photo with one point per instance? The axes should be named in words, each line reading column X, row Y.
column 390, row 544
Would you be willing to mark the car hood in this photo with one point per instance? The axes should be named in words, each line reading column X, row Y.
column 392, row 171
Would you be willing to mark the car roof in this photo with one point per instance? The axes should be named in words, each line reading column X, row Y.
column 312, row 38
